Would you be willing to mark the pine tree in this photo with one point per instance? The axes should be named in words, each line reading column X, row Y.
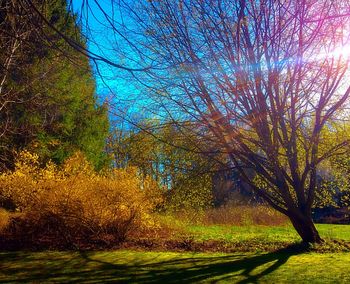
column 47, row 98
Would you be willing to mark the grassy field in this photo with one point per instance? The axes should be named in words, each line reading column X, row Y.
column 282, row 265
column 263, row 262
column 249, row 238
column 264, row 233
column 172, row 267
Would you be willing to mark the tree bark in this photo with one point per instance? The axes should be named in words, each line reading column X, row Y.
column 305, row 227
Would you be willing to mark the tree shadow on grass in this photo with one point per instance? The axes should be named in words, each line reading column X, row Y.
column 84, row 266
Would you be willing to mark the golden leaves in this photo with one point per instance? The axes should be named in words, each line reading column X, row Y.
column 78, row 194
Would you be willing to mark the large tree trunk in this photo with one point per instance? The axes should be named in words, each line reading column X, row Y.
column 306, row 228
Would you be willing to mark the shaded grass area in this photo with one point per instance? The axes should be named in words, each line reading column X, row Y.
column 287, row 265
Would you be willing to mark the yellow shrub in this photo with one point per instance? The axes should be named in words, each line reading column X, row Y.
column 76, row 204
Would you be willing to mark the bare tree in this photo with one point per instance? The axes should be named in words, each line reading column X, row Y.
column 261, row 78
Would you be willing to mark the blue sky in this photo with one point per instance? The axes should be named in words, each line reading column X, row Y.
column 113, row 84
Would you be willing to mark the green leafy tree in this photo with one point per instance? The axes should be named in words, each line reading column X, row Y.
column 333, row 180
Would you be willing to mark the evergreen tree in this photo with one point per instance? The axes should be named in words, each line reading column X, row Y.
column 52, row 108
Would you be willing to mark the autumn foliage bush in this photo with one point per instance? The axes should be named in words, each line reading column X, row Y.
column 72, row 205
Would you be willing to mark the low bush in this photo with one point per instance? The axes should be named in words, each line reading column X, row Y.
column 73, row 206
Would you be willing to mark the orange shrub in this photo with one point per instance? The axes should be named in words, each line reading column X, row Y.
column 73, row 205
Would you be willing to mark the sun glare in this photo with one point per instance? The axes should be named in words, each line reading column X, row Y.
column 343, row 51
column 340, row 52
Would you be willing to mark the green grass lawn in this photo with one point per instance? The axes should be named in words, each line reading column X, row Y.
column 264, row 233
column 261, row 264
column 170, row 267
